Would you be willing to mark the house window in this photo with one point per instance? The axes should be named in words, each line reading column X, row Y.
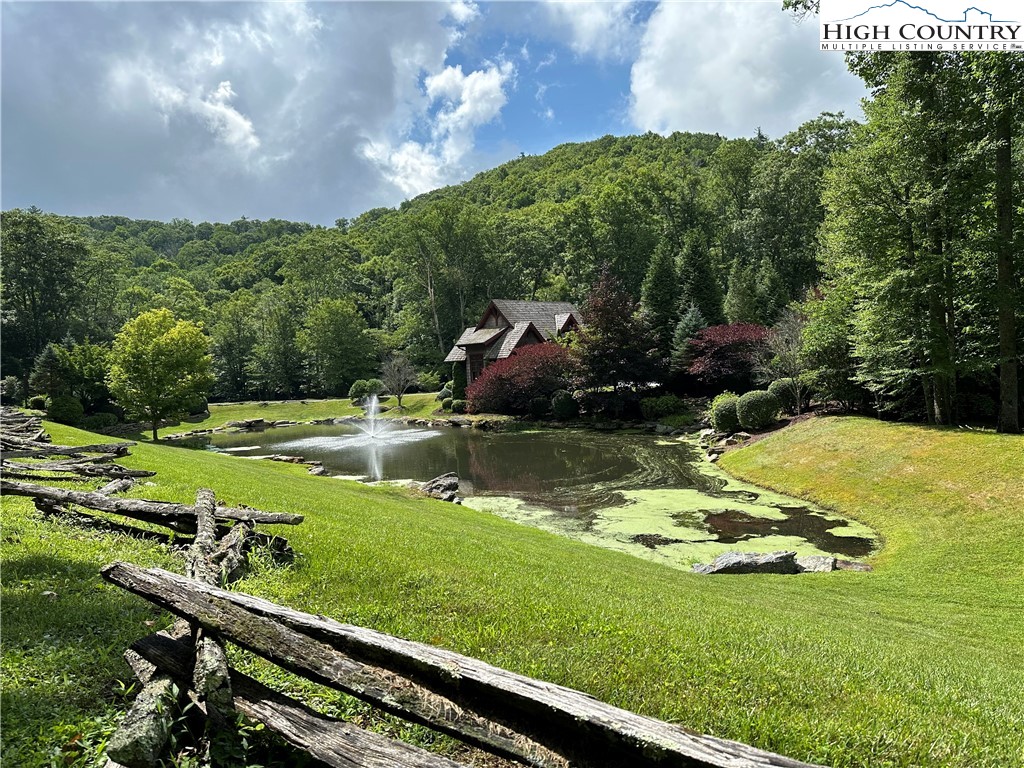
column 476, row 366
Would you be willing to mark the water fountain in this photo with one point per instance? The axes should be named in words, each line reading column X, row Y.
column 373, row 427
column 376, row 438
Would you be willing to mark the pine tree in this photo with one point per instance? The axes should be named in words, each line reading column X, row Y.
column 772, row 296
column 659, row 298
column 50, row 375
column 741, row 299
column 689, row 325
column 699, row 284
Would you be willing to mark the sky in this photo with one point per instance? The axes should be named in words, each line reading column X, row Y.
column 315, row 111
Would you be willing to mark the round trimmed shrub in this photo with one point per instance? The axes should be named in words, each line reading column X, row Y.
column 358, row 390
column 458, row 406
column 539, row 407
column 64, row 409
column 374, row 387
column 444, row 394
column 446, row 404
column 99, row 421
column 758, row 409
column 37, row 402
column 785, row 391
column 564, row 405
column 724, row 417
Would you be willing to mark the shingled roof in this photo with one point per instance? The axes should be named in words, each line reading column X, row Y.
column 541, row 313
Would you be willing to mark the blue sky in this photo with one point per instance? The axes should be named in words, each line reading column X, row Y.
column 312, row 111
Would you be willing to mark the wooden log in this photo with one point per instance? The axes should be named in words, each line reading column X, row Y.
column 116, row 486
column 117, row 450
column 320, row 662
column 179, row 517
column 584, row 730
column 229, row 556
column 197, row 565
column 139, row 741
column 333, row 742
column 42, row 478
column 84, row 471
column 85, row 520
column 210, row 675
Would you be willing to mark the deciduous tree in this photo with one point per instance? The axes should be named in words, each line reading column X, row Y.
column 159, row 366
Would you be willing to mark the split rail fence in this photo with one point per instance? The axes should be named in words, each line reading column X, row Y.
column 521, row 719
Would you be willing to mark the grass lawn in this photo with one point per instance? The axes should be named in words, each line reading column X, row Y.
column 920, row 663
column 420, row 406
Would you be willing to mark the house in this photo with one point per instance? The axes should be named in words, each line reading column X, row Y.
column 508, row 325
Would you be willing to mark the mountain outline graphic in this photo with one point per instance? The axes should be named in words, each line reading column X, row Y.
column 904, row 3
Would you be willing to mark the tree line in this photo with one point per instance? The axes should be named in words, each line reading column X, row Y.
column 890, row 242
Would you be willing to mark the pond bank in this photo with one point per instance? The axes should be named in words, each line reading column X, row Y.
column 651, row 496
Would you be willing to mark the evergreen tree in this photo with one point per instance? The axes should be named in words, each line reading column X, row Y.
column 690, row 324
column 699, row 283
column 50, row 375
column 741, row 300
column 772, row 296
column 659, row 298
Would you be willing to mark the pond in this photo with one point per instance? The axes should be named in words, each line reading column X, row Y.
column 650, row 496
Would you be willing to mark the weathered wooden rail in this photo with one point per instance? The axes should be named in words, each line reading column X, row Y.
column 516, row 717
column 521, row 719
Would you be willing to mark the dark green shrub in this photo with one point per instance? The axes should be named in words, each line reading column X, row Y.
column 374, row 387
column 99, row 421
column 458, row 406
column 539, row 407
column 654, row 408
column 444, row 394
column 64, row 409
column 564, row 406
column 758, row 409
column 723, row 413
column 37, row 402
column 359, row 389
column 785, row 391
column 458, row 385
column 446, row 404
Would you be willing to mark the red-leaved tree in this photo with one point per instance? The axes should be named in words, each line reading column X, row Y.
column 509, row 385
column 726, row 354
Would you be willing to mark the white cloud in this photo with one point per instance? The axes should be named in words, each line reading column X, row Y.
column 732, row 67
column 603, row 30
column 462, row 103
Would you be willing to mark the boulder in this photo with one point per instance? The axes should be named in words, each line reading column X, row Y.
column 750, row 562
column 816, row 564
column 663, row 429
column 444, row 487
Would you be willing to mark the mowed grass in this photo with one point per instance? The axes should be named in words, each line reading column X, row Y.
column 418, row 405
column 920, row 663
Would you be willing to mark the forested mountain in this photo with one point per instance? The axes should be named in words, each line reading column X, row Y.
column 889, row 236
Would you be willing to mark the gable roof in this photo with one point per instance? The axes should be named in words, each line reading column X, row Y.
column 541, row 313
column 472, row 336
column 512, row 338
